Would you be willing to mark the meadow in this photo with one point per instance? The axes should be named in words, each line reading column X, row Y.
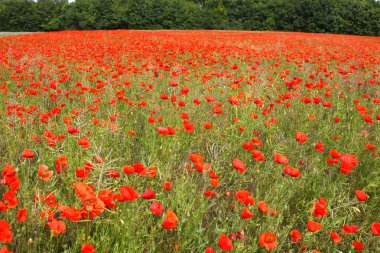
column 189, row 141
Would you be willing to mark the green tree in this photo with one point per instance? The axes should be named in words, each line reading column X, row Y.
column 332, row 16
column 50, row 12
column 20, row 15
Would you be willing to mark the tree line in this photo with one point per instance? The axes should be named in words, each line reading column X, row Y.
column 361, row 17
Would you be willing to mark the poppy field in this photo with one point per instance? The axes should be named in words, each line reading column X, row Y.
column 189, row 141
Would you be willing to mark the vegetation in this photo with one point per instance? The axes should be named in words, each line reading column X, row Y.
column 189, row 141
column 322, row 16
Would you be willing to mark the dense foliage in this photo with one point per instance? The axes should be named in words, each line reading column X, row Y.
column 325, row 16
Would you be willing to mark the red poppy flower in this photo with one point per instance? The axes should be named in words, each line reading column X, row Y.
column 358, row 245
column 196, row 158
column 167, row 186
column 196, row 101
column 257, row 155
column 332, row 161
column 296, row 235
column 166, row 130
column 255, row 141
column 248, row 146
column 44, row 173
column 84, row 142
column 348, row 162
column 131, row 132
column 244, row 197
column 370, row 147
column 148, row 194
column 22, row 215
column 320, row 147
column 238, row 165
column 13, row 183
column 375, row 228
column 207, row 250
column 320, row 209
column 139, row 169
column 225, row 243
column 10, row 199
column 73, row 130
column 108, row 197
column 301, row 137
column 57, row 227
column 170, row 220
column 127, row 169
column 209, row 193
column 70, row 213
column 280, row 158
column 361, row 196
column 82, row 173
column 368, row 119
column 27, row 153
column 92, row 208
column 5, row 232
column 127, row 193
column 173, row 83
column 207, row 125
column 156, row 208
column 87, row 248
column 263, row 207
column 113, row 173
column 61, row 164
column 313, row 226
column 335, row 153
column 5, row 250
column 214, row 182
column 361, row 109
column 162, row 130
column 335, row 237
column 84, row 191
column 188, row 126
column 246, row 214
column 151, row 172
column 350, row 229
column 268, row 240
column 8, row 172
column 293, row 172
